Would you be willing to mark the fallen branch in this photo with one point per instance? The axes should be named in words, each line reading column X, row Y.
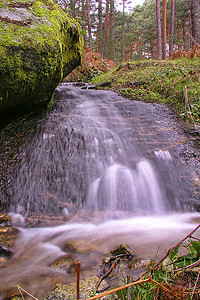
column 106, row 275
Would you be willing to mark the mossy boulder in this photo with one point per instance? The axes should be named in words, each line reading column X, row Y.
column 40, row 44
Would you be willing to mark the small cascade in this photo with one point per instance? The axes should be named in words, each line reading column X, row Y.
column 123, row 189
column 98, row 151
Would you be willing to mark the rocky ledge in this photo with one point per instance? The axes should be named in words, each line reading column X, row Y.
column 40, row 44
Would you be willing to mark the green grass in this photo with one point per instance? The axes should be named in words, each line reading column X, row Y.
column 160, row 81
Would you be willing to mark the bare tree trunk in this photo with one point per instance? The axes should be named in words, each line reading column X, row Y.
column 159, row 34
column 164, row 27
column 107, row 31
column 84, row 14
column 195, row 14
column 112, row 29
column 72, row 7
column 89, row 23
column 171, row 47
column 100, row 28
column 184, row 34
column 123, row 21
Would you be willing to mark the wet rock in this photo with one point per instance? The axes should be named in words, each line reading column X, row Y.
column 122, row 249
column 64, row 263
column 4, row 218
column 139, row 264
column 5, row 250
column 80, row 246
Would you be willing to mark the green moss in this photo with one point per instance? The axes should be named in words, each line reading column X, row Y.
column 35, row 52
column 159, row 81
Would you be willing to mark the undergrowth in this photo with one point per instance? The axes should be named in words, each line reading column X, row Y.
column 174, row 82
column 93, row 65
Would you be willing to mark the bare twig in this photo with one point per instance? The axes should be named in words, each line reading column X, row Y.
column 77, row 278
column 107, row 274
column 195, row 286
column 160, row 284
column 21, row 289
column 119, row 288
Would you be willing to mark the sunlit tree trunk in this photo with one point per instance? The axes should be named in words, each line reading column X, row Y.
column 164, row 27
column 171, row 47
column 100, row 28
column 159, row 34
column 89, row 23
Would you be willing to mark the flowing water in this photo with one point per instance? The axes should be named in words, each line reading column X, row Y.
column 112, row 168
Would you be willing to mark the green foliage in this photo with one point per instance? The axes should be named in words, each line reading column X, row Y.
column 160, row 81
column 164, row 277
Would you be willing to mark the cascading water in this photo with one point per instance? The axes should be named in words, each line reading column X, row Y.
column 97, row 151
column 113, row 168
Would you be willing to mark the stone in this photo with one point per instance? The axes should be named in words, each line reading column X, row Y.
column 87, row 287
column 80, row 246
column 4, row 218
column 40, row 44
column 122, row 249
column 5, row 249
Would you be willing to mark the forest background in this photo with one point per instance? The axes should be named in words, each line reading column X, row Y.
column 122, row 32
column 149, row 39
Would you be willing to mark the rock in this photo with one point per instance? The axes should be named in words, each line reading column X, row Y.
column 80, row 246
column 122, row 249
column 40, row 44
column 87, row 286
column 139, row 264
column 4, row 218
column 5, row 249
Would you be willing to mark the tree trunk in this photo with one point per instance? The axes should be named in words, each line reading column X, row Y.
column 84, row 14
column 172, row 28
column 164, row 27
column 195, row 14
column 107, row 29
column 122, row 48
column 89, row 23
column 100, row 28
column 184, row 34
column 159, row 35
column 72, row 7
column 112, row 29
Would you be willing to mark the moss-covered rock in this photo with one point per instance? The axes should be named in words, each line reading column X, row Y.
column 39, row 46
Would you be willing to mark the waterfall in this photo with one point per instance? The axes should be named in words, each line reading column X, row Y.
column 100, row 152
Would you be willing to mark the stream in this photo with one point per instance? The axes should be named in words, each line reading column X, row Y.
column 99, row 170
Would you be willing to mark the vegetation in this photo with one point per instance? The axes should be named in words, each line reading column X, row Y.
column 121, row 32
column 174, row 82
column 93, row 65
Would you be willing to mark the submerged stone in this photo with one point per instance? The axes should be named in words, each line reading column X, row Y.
column 39, row 45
